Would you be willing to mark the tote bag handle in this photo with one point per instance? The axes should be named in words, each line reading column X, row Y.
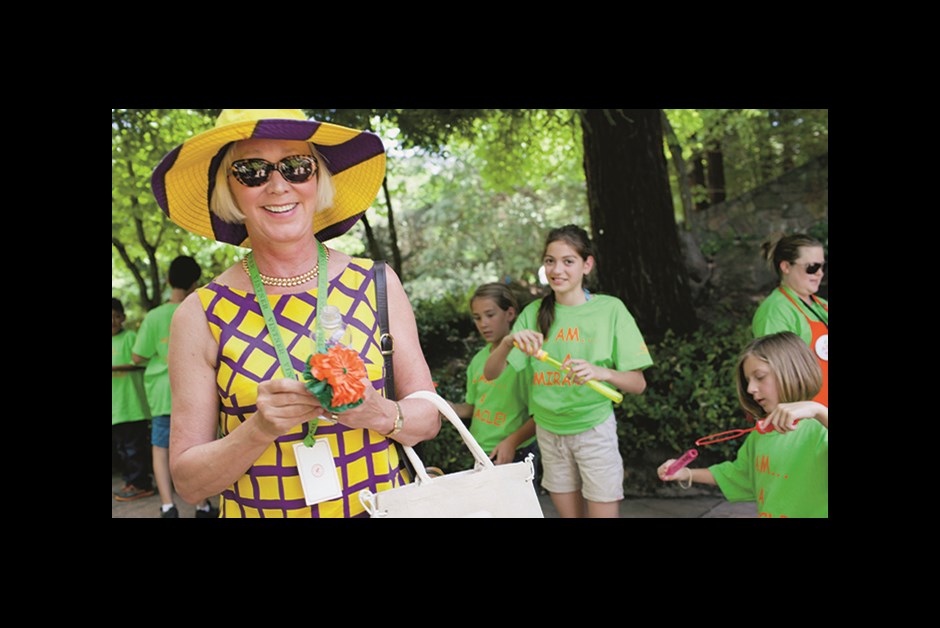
column 482, row 460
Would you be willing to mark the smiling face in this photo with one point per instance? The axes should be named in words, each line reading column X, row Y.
column 276, row 211
column 492, row 322
column 565, row 269
column 794, row 274
column 761, row 383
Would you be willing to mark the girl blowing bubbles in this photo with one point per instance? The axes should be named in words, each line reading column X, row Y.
column 597, row 339
column 785, row 470
column 498, row 408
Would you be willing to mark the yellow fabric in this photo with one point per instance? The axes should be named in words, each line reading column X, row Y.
column 364, row 459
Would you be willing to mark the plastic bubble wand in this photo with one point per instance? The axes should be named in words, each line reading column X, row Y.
column 721, row 437
column 682, row 462
column 607, row 391
column 713, row 439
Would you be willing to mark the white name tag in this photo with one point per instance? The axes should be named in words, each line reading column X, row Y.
column 317, row 472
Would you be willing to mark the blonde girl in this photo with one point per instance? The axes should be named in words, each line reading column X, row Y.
column 786, row 468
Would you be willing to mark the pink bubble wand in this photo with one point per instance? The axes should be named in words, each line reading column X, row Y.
column 682, row 462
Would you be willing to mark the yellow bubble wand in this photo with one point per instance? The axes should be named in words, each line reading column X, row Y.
column 611, row 393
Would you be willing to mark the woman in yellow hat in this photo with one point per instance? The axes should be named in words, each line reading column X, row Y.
column 281, row 184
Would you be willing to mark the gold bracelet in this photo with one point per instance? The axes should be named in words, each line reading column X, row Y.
column 689, row 485
column 399, row 422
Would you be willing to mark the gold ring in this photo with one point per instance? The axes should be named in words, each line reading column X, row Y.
column 333, row 417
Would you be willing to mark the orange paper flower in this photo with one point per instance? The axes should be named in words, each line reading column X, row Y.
column 343, row 370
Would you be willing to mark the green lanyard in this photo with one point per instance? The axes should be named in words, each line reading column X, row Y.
column 273, row 330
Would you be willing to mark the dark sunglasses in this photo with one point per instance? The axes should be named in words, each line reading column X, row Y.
column 255, row 172
column 812, row 269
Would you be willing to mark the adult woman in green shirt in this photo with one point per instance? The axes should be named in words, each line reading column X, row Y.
column 800, row 264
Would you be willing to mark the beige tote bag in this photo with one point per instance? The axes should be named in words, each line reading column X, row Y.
column 487, row 490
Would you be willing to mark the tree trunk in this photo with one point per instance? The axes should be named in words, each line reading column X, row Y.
column 138, row 277
column 682, row 176
column 151, row 249
column 392, row 232
column 715, row 174
column 375, row 250
column 632, row 218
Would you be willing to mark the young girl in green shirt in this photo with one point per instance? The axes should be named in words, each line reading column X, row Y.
column 785, row 469
column 497, row 409
column 596, row 338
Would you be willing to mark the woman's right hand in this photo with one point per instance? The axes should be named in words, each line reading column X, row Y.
column 528, row 341
column 283, row 404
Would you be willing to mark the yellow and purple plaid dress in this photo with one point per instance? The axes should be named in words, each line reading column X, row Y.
column 365, row 459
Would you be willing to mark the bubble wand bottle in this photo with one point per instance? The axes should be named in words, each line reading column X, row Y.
column 611, row 393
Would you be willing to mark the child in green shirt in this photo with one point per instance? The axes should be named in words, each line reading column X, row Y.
column 130, row 414
column 152, row 347
column 497, row 409
column 786, row 469
column 596, row 338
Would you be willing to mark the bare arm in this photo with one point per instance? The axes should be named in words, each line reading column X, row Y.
column 201, row 464
column 528, row 341
column 632, row 382
column 463, row 410
column 421, row 419
column 785, row 416
column 699, row 476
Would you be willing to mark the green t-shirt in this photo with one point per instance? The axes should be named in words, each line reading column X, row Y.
column 128, row 399
column 776, row 313
column 500, row 407
column 600, row 331
column 786, row 474
column 153, row 342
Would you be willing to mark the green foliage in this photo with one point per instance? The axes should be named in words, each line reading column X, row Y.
column 139, row 139
column 446, row 329
column 757, row 145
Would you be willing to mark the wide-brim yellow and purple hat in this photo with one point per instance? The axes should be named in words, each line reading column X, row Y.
column 183, row 181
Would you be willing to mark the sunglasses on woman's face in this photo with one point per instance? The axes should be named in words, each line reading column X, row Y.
column 812, row 269
column 254, row 172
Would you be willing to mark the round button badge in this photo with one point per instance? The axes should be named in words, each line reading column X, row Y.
column 822, row 347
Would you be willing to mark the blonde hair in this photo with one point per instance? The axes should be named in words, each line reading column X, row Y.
column 798, row 375
column 222, row 202
column 785, row 248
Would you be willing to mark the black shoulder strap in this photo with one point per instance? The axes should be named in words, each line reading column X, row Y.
column 388, row 348
column 386, row 341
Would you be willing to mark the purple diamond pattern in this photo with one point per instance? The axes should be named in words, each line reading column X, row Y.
column 233, row 318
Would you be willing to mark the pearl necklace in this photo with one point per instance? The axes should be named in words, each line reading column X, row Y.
column 286, row 282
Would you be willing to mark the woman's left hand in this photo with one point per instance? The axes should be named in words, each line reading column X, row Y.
column 784, row 417
column 373, row 413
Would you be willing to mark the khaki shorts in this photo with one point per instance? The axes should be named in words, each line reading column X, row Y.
column 589, row 462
